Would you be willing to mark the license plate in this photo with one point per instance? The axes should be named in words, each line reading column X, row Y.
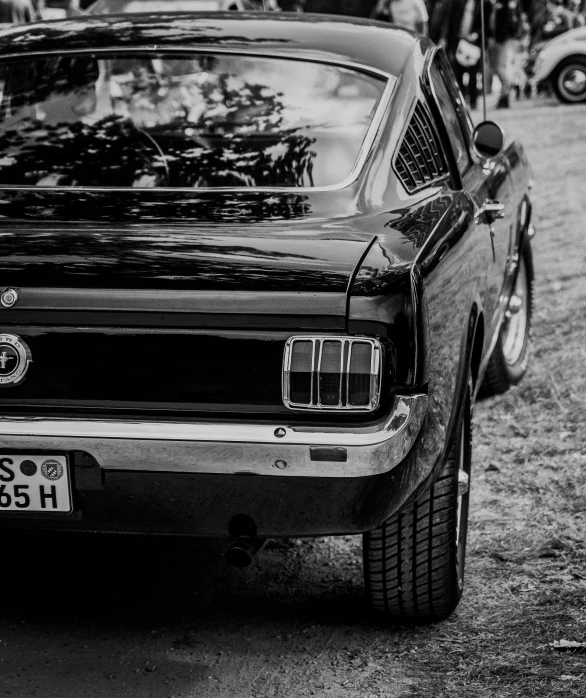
column 34, row 483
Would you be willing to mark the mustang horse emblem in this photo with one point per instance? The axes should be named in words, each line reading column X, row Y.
column 4, row 359
column 13, row 347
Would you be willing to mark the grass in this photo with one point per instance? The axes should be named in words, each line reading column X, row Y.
column 526, row 566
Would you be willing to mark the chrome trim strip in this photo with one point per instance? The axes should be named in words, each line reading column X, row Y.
column 363, row 153
column 169, row 301
column 341, row 383
column 225, row 448
column 311, row 395
column 348, row 357
column 319, row 362
column 305, row 55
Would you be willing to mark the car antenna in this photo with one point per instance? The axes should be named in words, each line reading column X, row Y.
column 483, row 57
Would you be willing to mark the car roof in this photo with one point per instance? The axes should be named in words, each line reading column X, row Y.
column 325, row 37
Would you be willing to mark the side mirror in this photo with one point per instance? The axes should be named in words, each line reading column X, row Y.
column 488, row 139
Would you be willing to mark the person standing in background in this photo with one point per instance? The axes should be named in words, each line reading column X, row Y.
column 466, row 61
column 357, row 8
column 578, row 19
column 503, row 27
column 411, row 14
column 290, row 5
column 455, row 25
column 439, row 21
column 445, row 25
column 17, row 11
column 351, row 8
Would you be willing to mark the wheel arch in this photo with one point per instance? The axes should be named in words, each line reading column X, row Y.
column 553, row 61
column 524, row 224
column 471, row 359
column 573, row 55
column 471, row 350
column 477, row 349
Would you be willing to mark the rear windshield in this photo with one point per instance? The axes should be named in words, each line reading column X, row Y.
column 181, row 121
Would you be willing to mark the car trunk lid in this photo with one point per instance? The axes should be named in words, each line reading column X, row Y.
column 164, row 317
column 171, row 274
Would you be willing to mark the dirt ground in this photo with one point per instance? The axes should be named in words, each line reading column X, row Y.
column 158, row 618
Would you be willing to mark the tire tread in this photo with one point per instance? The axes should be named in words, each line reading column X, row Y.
column 410, row 561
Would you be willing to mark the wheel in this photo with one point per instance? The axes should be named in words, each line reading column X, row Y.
column 414, row 562
column 569, row 80
column 510, row 357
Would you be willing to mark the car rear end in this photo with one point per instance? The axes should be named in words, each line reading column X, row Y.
column 180, row 239
column 180, row 378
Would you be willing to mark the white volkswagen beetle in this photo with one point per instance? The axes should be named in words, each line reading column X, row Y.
column 562, row 64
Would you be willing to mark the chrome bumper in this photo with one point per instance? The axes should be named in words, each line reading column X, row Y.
column 230, row 449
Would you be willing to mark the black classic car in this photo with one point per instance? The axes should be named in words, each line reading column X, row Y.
column 255, row 270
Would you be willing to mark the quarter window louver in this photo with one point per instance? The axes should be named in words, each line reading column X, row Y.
column 332, row 373
column 420, row 160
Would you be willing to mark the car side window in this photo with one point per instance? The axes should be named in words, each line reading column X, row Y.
column 451, row 119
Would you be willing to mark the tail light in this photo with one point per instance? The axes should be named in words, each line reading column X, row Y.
column 332, row 373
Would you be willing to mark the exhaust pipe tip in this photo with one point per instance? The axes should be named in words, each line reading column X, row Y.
column 241, row 553
column 238, row 556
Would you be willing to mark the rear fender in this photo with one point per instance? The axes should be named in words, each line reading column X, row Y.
column 453, row 279
column 405, row 491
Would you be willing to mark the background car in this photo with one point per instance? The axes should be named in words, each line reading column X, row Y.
column 561, row 63
column 255, row 271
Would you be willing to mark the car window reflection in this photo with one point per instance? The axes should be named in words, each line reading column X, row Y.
column 182, row 121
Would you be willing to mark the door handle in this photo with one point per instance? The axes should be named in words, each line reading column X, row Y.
column 493, row 209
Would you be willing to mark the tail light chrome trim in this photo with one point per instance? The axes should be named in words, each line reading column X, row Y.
column 345, row 402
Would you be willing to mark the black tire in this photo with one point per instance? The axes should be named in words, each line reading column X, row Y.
column 510, row 357
column 569, row 80
column 414, row 562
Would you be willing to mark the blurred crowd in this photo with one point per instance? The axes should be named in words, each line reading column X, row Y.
column 514, row 30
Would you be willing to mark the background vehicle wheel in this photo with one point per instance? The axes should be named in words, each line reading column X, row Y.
column 569, row 80
column 414, row 562
column 510, row 357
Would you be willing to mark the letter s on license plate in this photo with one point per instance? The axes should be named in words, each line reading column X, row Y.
column 34, row 484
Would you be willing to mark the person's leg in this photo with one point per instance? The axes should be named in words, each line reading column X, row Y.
column 473, row 86
column 502, row 67
column 490, row 64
